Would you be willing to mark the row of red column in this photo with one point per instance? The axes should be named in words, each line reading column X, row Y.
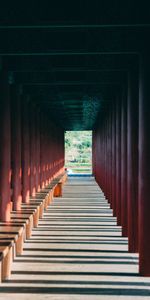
column 121, row 160
column 31, row 149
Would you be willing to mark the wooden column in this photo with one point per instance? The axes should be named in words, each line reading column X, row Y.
column 105, row 160
column 114, row 158
column 110, row 155
column 124, row 210
column 25, row 149
column 49, row 152
column 5, row 149
column 93, row 153
column 38, row 183
column 16, row 148
column 42, row 152
column 132, row 161
column 32, row 151
column 118, row 161
column 108, row 159
column 102, row 140
column 144, row 166
column 46, row 152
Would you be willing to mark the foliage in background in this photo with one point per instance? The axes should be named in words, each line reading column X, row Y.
column 78, row 149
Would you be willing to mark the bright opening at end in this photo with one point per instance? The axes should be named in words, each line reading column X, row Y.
column 78, row 152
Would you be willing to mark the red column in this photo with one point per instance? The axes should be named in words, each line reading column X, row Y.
column 105, row 160
column 124, row 164
column 114, row 158
column 63, row 150
column 110, row 155
column 25, row 149
column 46, row 150
column 108, row 159
column 132, row 161
column 38, row 183
column 50, row 151
column 54, row 154
column 32, row 151
column 118, row 161
column 144, row 166
column 5, row 149
column 42, row 152
column 16, row 148
column 93, row 153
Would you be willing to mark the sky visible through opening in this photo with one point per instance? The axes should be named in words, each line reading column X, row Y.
column 78, row 152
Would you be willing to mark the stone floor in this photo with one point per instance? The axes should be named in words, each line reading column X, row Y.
column 77, row 252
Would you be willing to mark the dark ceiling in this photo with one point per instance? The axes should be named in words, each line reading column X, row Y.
column 72, row 58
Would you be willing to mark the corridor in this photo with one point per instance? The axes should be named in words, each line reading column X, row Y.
column 77, row 252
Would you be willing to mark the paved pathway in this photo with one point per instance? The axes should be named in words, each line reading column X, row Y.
column 77, row 252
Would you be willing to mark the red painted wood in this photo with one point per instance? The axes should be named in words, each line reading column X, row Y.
column 32, row 151
column 47, row 134
column 124, row 210
column 132, row 162
column 38, row 167
column 114, row 158
column 16, row 148
column 42, row 153
column 144, row 167
column 110, row 155
column 118, row 161
column 93, row 153
column 5, row 149
column 110, row 166
column 105, row 160
column 108, row 158
column 25, row 150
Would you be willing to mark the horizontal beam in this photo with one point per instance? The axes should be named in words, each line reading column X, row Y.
column 58, row 104
column 65, row 53
column 54, row 100
column 49, row 91
column 72, row 83
column 67, row 78
column 46, row 63
column 71, row 70
column 44, row 42
column 75, row 26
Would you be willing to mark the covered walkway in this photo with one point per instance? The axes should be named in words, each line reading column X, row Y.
column 74, row 65
column 77, row 252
